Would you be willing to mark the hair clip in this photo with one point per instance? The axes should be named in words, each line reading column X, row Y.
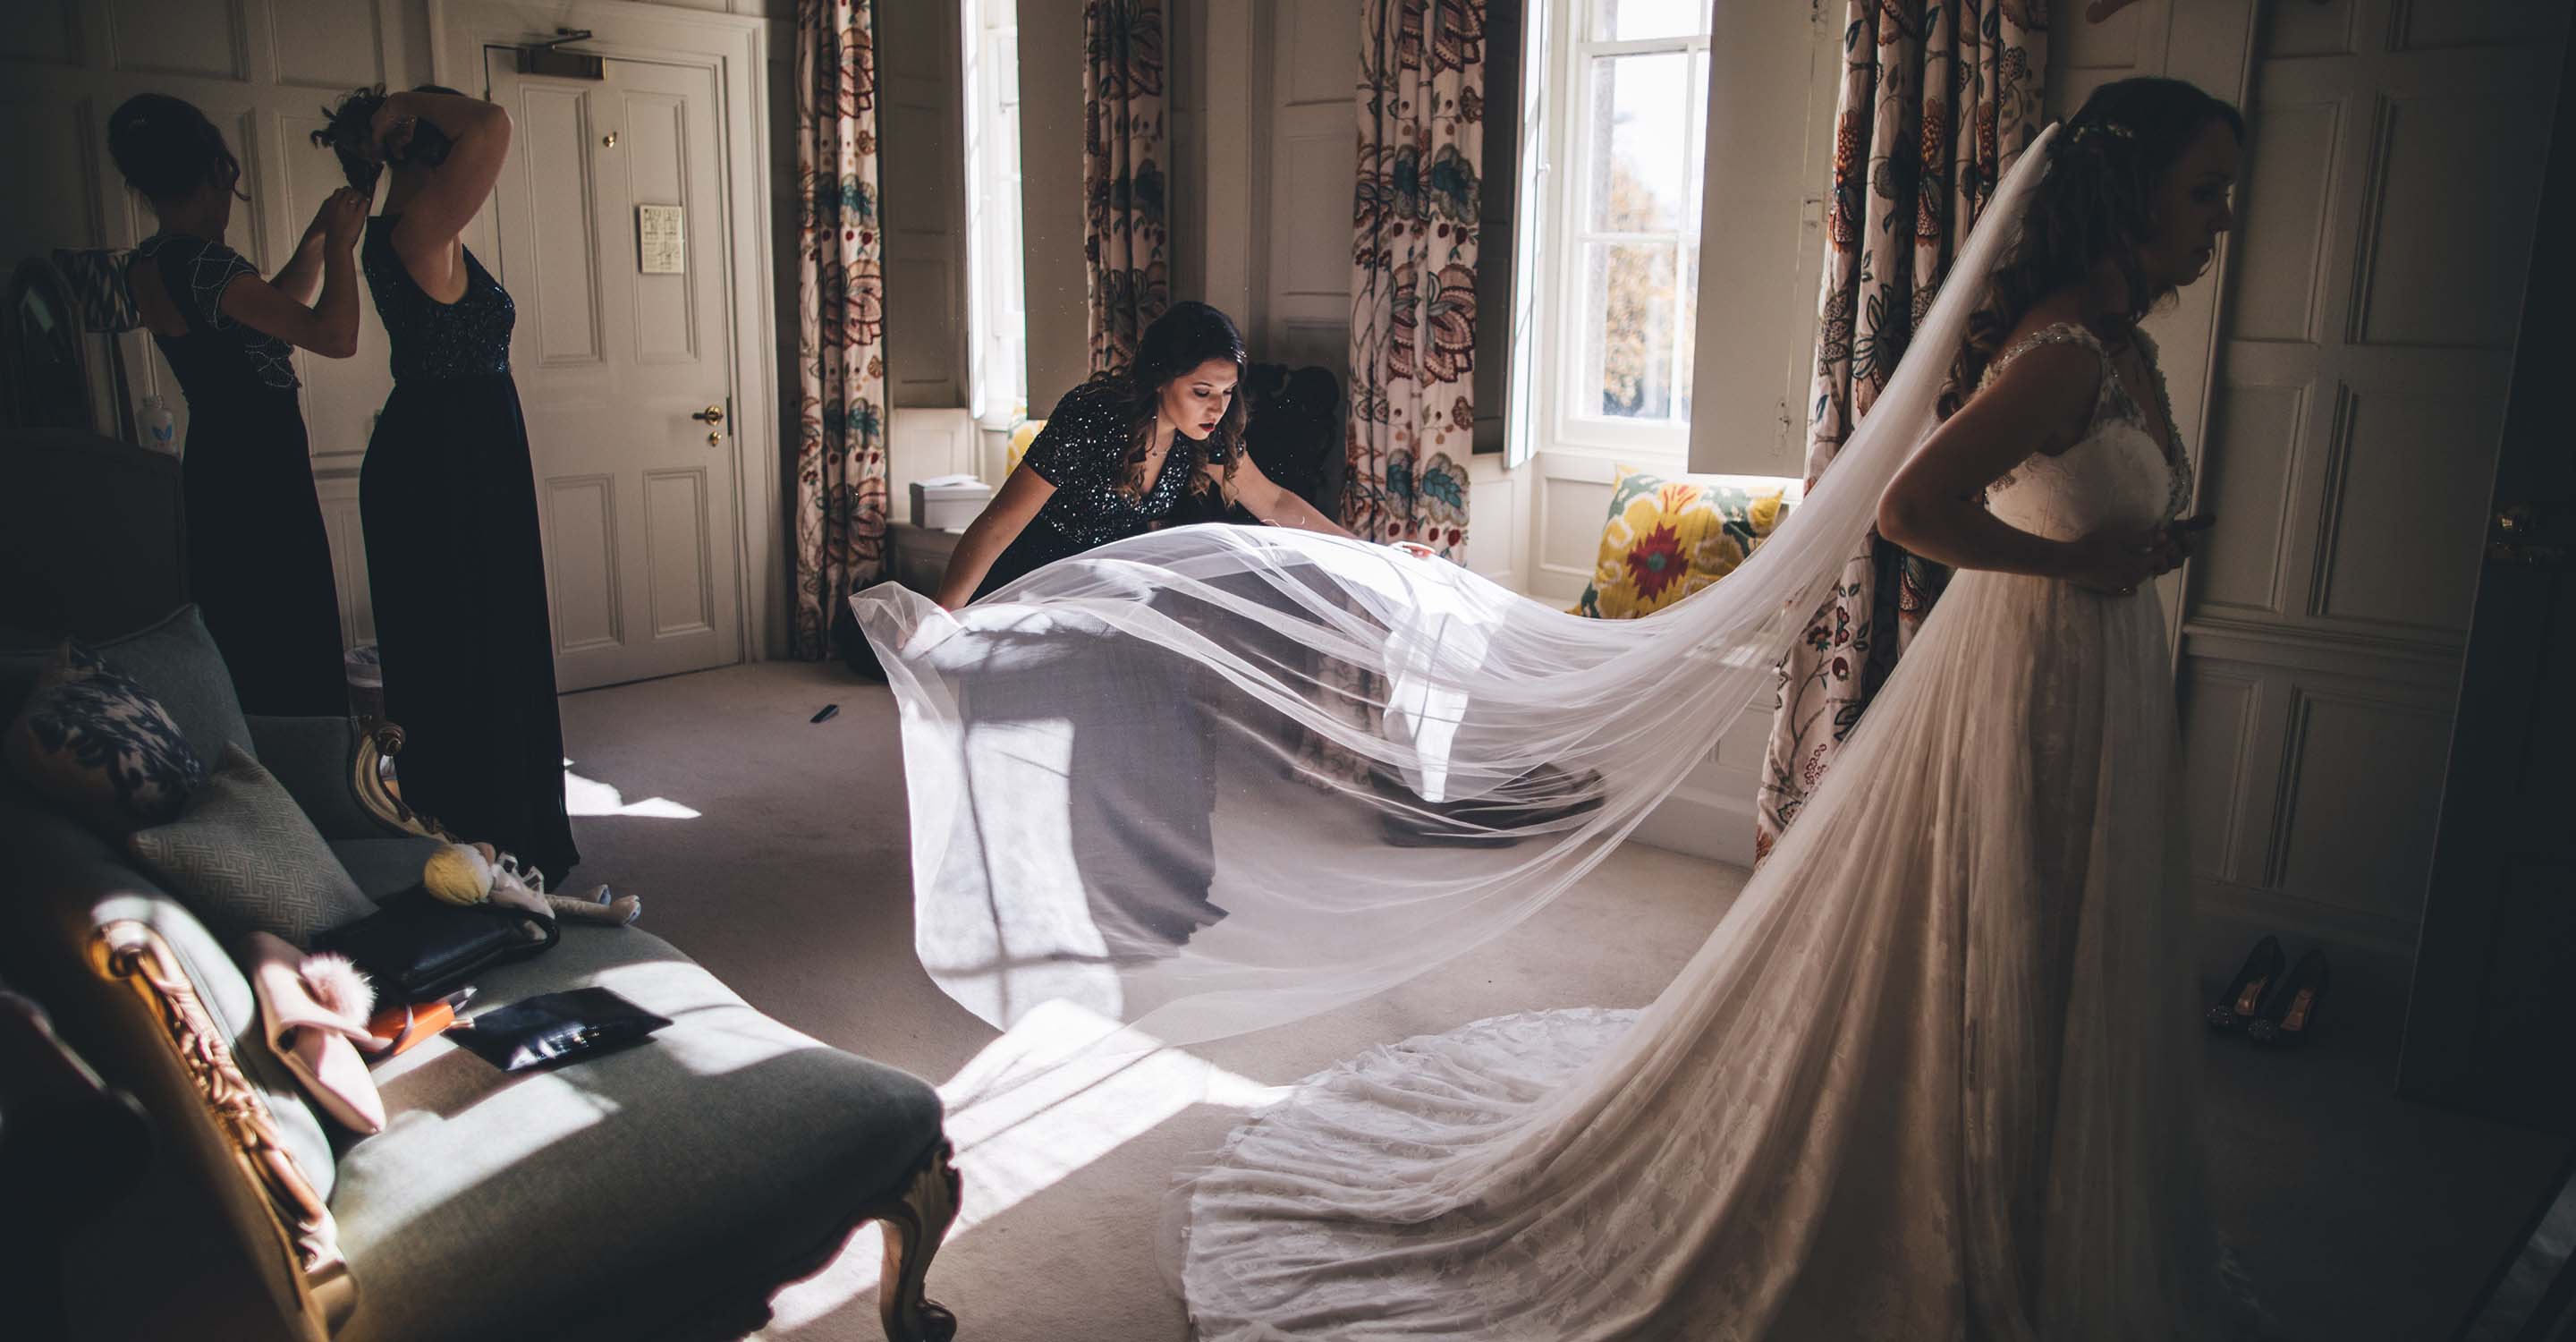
column 2104, row 127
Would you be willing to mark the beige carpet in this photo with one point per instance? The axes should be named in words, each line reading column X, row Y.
column 774, row 850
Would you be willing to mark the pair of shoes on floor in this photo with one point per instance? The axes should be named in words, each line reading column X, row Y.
column 1499, row 819
column 2272, row 1001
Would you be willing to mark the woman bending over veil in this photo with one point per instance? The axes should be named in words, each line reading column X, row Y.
column 1120, row 454
column 1928, row 1077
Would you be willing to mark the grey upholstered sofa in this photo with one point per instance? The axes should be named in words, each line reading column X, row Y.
column 664, row 1190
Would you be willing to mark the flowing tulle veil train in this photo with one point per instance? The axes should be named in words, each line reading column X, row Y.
column 1112, row 764
column 1214, row 779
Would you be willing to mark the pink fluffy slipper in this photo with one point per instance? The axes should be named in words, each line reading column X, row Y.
column 314, row 1009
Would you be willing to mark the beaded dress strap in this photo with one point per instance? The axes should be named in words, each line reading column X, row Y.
column 2060, row 333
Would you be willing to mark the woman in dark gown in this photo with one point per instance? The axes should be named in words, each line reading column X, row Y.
column 1125, row 453
column 259, row 560
column 448, row 493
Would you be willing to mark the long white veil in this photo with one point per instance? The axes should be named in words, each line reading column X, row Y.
column 1217, row 778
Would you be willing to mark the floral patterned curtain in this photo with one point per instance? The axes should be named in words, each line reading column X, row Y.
column 841, row 442
column 1413, row 282
column 1938, row 101
column 1123, row 232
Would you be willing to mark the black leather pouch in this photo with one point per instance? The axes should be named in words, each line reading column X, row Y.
column 416, row 946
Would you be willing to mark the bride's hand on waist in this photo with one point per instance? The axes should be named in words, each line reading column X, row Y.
column 2118, row 560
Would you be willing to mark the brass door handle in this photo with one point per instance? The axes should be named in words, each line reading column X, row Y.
column 713, row 414
column 2518, row 538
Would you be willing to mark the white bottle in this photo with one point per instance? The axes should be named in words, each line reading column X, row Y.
column 160, row 427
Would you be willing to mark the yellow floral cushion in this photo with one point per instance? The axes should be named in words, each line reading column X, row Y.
column 1669, row 538
column 1021, row 437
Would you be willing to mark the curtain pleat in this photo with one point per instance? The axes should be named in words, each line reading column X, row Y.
column 1124, row 236
column 1413, row 271
column 840, row 293
column 1937, row 103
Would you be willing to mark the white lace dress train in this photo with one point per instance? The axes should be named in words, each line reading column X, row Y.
column 1930, row 1078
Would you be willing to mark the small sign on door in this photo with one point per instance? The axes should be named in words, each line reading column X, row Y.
column 660, row 237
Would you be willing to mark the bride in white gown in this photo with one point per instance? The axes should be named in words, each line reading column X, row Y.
column 1930, row 1078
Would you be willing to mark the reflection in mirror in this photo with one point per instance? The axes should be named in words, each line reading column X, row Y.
column 47, row 385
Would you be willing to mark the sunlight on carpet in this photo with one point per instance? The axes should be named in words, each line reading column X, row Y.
column 1016, row 1140
column 589, row 796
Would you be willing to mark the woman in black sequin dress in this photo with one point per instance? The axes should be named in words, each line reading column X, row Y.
column 1122, row 455
column 259, row 561
column 448, row 492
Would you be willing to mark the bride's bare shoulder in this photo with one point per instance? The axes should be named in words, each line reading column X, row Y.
column 2043, row 382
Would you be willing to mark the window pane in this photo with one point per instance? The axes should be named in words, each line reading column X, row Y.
column 1630, row 20
column 1640, row 135
column 1696, row 143
column 1631, row 329
column 1686, row 334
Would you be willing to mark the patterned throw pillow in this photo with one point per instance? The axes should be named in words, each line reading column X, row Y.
column 244, row 858
column 1669, row 538
column 92, row 740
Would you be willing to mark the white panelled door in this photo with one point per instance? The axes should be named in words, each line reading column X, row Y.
column 623, row 356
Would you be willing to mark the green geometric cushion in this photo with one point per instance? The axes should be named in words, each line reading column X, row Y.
column 243, row 857
column 93, row 742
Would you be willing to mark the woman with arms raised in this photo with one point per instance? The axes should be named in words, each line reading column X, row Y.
column 259, row 560
column 448, row 492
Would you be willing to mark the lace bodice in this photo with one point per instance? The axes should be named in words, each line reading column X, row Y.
column 2119, row 472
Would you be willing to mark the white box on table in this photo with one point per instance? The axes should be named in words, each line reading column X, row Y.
column 948, row 502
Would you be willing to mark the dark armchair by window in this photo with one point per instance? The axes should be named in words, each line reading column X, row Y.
column 1294, row 432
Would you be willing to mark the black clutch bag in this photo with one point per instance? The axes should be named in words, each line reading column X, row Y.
column 416, row 946
column 554, row 1027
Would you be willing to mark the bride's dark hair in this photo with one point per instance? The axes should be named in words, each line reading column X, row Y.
column 2096, row 201
column 1185, row 336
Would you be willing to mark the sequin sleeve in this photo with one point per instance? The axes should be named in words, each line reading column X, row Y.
column 1083, row 442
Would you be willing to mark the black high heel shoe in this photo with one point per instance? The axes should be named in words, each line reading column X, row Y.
column 2243, row 999
column 2290, row 1014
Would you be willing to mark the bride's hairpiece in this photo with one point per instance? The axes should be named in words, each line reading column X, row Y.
column 2093, row 128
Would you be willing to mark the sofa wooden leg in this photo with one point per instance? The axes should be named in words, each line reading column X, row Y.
column 913, row 1229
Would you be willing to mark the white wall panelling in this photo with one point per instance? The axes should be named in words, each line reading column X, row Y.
column 1773, row 81
column 1052, row 268
column 1225, row 102
column 925, row 442
column 1314, row 159
column 922, row 202
column 46, row 32
column 583, row 563
column 262, row 69
column 259, row 69
column 1266, row 143
column 2348, row 436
